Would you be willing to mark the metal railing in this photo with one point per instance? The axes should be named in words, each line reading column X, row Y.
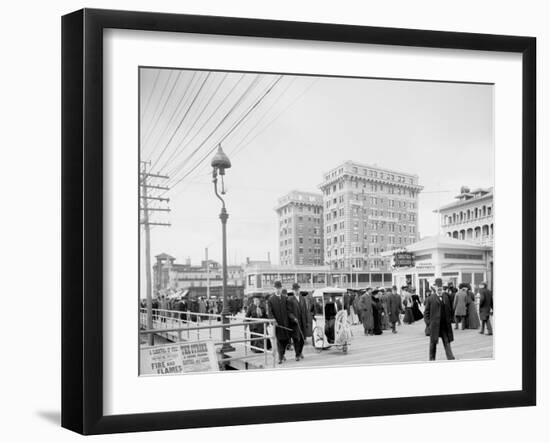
column 188, row 325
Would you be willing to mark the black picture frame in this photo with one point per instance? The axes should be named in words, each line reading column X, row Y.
column 82, row 219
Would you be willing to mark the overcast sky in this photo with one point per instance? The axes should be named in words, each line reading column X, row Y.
column 300, row 128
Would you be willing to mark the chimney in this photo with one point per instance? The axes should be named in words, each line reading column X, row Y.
column 247, row 260
column 268, row 257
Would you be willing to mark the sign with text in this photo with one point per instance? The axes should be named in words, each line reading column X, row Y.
column 403, row 259
column 178, row 358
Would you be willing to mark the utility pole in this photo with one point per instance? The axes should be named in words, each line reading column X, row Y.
column 145, row 185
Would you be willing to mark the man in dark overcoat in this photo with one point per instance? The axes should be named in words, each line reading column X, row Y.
column 394, row 308
column 485, row 309
column 310, row 314
column 365, row 305
column 277, row 309
column 438, row 316
column 297, row 315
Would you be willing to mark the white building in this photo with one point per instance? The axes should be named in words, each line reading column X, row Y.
column 450, row 259
column 470, row 217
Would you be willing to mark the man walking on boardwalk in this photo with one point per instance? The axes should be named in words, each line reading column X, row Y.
column 485, row 308
column 277, row 309
column 297, row 315
column 394, row 308
column 438, row 316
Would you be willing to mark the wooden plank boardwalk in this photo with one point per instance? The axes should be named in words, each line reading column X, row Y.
column 409, row 345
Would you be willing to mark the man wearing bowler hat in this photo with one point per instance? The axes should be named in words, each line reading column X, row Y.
column 438, row 317
column 297, row 315
column 277, row 309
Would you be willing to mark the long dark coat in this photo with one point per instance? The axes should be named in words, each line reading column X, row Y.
column 254, row 311
column 310, row 312
column 460, row 303
column 485, row 303
column 277, row 309
column 365, row 304
column 432, row 316
column 297, row 314
column 394, row 307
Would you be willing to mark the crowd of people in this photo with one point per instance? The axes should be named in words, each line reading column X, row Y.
column 163, row 303
column 376, row 309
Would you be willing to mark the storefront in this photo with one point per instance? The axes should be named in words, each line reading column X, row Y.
column 450, row 259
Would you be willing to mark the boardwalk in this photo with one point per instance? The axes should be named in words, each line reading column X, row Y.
column 408, row 345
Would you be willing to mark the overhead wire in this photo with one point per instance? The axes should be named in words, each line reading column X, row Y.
column 156, row 116
column 182, row 120
column 219, row 124
column 174, row 113
column 172, row 171
column 230, row 131
column 239, row 148
column 146, row 105
column 194, row 123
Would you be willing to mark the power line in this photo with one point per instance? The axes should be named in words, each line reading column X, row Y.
column 195, row 122
column 146, row 106
column 174, row 170
column 221, row 122
column 231, row 130
column 155, row 118
column 238, row 149
column 176, row 108
column 283, row 91
column 182, row 119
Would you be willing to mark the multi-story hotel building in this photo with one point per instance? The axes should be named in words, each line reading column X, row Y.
column 367, row 210
column 470, row 217
column 300, row 229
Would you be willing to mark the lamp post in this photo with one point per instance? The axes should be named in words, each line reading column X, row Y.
column 219, row 164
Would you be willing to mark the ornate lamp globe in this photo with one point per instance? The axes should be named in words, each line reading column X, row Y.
column 221, row 161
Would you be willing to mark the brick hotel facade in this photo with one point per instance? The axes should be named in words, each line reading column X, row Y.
column 300, row 229
column 367, row 210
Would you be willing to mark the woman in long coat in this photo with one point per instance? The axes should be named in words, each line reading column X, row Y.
column 417, row 314
column 408, row 304
column 377, row 313
column 365, row 305
column 384, row 299
column 471, row 309
column 460, row 306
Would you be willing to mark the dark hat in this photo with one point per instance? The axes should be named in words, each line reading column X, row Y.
column 295, row 286
column 376, row 291
column 438, row 282
column 394, row 287
column 404, row 287
column 278, row 284
column 463, row 285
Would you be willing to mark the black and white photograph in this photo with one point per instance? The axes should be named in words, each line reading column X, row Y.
column 294, row 221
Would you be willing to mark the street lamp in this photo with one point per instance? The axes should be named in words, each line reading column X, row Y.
column 220, row 163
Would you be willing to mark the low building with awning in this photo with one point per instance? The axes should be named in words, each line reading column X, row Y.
column 451, row 259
